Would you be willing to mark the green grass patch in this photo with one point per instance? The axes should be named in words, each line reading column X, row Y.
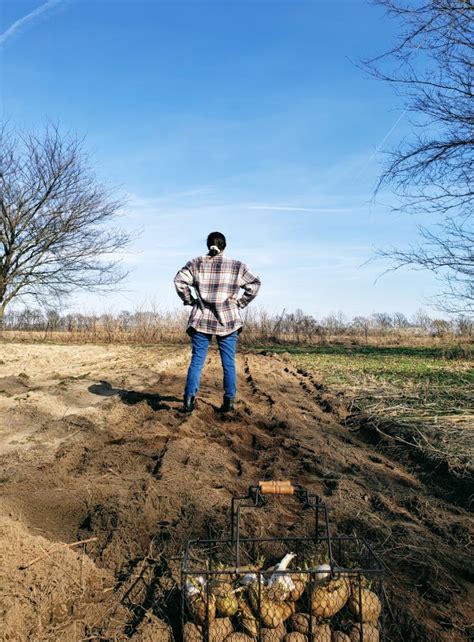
column 432, row 379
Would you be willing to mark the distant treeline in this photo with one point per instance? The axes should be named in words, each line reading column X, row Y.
column 153, row 326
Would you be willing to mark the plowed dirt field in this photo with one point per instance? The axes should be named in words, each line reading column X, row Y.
column 93, row 445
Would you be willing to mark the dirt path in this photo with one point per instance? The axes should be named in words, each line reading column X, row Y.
column 94, row 446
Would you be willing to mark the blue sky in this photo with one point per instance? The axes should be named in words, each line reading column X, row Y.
column 246, row 116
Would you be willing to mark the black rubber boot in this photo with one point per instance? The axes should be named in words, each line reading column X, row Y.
column 227, row 404
column 188, row 403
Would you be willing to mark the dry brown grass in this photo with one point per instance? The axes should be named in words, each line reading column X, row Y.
column 151, row 327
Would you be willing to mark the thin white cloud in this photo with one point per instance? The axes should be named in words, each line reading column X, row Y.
column 21, row 22
column 282, row 208
column 292, row 208
column 135, row 200
column 200, row 202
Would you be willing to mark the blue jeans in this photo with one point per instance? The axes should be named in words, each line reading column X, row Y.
column 227, row 346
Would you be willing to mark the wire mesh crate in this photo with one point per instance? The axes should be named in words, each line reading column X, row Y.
column 363, row 619
column 256, row 586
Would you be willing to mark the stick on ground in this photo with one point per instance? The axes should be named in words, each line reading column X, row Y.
column 58, row 547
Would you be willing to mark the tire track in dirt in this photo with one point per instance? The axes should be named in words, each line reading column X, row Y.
column 254, row 388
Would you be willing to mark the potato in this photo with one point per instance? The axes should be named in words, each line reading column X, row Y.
column 287, row 609
column 370, row 633
column 328, row 599
column 192, row 633
column 299, row 581
column 371, row 606
column 272, row 614
column 202, row 607
column 247, row 618
column 239, row 637
column 339, row 636
column 321, row 633
column 227, row 602
column 300, row 622
column 220, row 628
column 274, row 635
column 295, row 637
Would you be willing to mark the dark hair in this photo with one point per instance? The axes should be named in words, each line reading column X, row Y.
column 217, row 239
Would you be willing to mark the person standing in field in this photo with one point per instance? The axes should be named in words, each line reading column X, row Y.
column 216, row 280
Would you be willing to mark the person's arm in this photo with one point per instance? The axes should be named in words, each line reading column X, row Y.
column 250, row 284
column 182, row 282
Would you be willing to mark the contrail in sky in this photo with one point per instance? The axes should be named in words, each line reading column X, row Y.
column 21, row 22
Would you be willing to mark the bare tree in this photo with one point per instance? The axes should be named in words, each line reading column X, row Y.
column 55, row 233
column 383, row 320
column 432, row 171
column 362, row 324
column 422, row 320
column 400, row 321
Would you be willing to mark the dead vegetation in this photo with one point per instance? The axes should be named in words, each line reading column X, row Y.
column 154, row 326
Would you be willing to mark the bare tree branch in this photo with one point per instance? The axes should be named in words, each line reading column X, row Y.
column 431, row 172
column 55, row 226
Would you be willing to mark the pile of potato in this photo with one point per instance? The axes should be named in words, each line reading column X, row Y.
column 281, row 606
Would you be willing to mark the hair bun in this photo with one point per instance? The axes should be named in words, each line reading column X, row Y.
column 216, row 243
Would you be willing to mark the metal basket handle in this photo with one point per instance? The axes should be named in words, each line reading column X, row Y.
column 256, row 498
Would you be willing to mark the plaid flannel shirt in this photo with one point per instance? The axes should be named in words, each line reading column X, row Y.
column 216, row 281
